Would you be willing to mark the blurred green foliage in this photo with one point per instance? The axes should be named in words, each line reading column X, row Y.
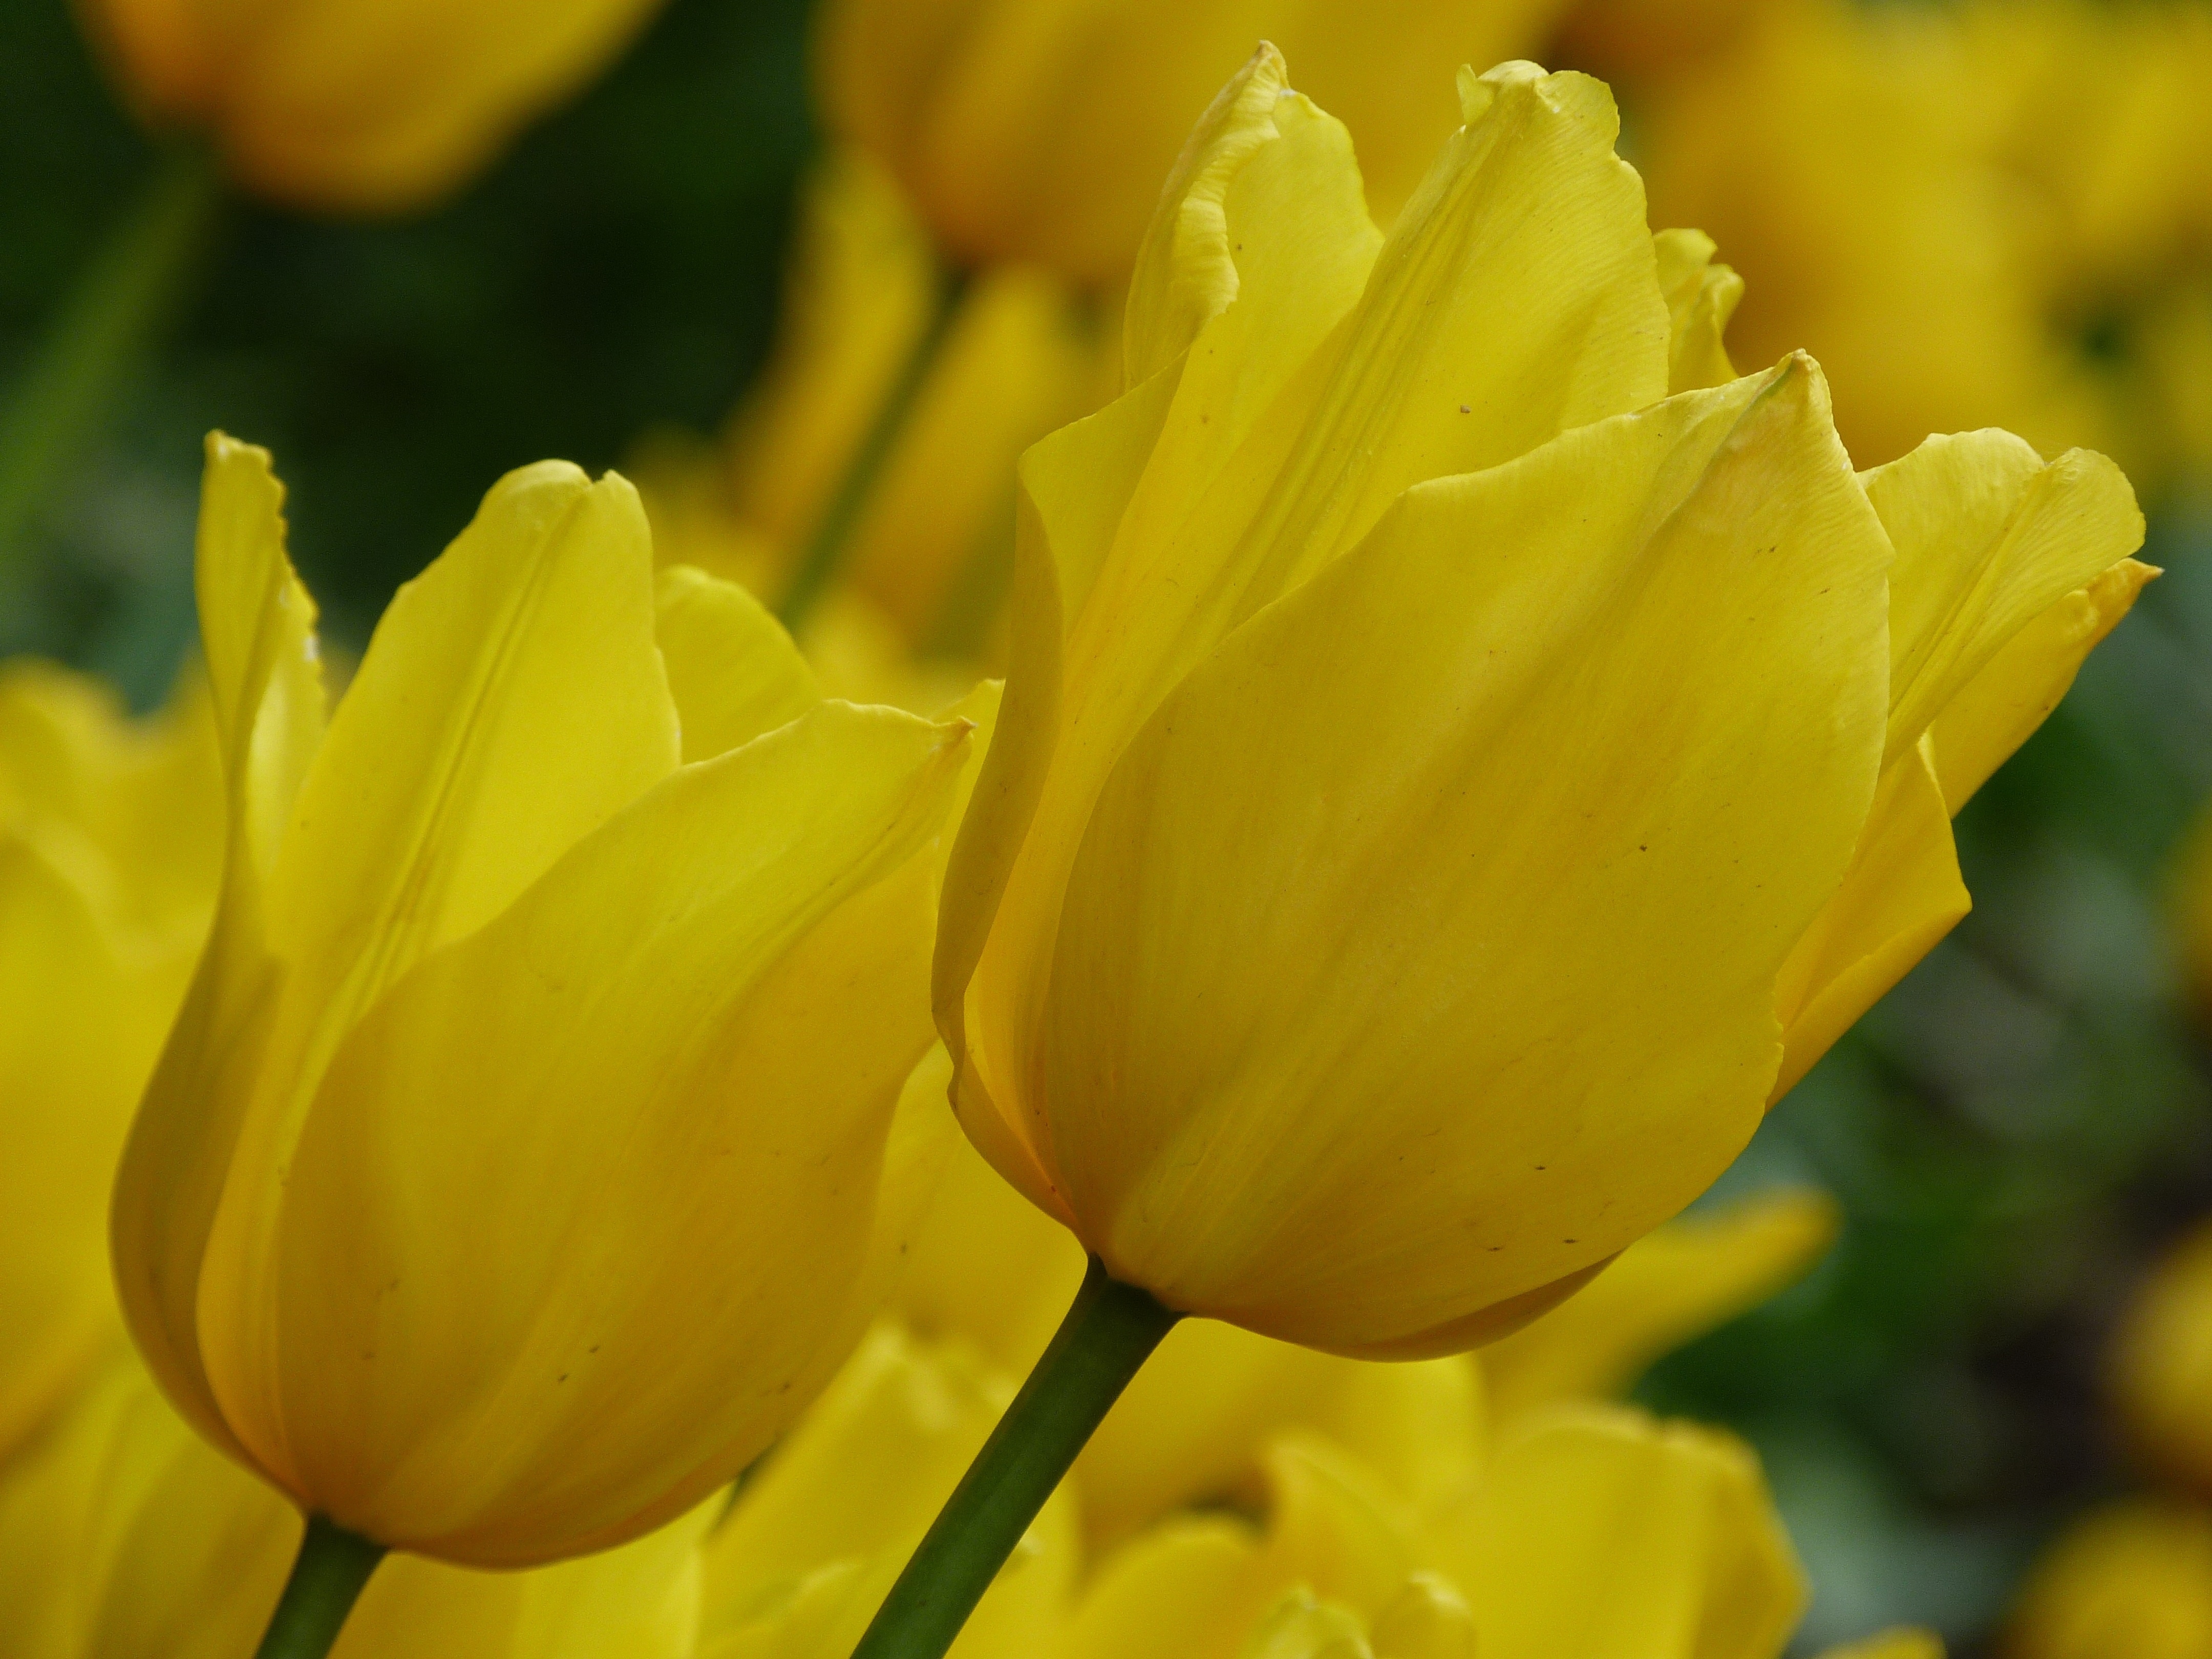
column 2012, row 1133
column 618, row 268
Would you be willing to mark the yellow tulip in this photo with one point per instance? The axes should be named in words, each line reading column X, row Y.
column 509, row 1176
column 2133, row 1578
column 812, row 1540
column 1840, row 158
column 1672, row 1521
column 354, row 105
column 1382, row 890
column 124, row 1535
column 110, row 850
column 2161, row 1365
column 1040, row 133
column 1019, row 356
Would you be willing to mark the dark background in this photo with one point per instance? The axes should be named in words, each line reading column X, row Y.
column 2012, row 1133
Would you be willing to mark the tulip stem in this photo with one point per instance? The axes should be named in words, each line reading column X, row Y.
column 841, row 516
column 1107, row 1336
column 57, row 401
column 327, row 1577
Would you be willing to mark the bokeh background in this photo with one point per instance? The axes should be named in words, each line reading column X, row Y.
column 2012, row 1134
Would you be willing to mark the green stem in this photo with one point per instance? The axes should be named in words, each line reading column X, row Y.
column 117, row 308
column 332, row 1566
column 1107, row 1336
column 833, row 531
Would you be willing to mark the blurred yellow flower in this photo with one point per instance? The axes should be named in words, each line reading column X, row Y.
column 1673, row 1522
column 2132, row 1579
column 2161, row 1365
column 812, row 1542
column 1991, row 211
column 916, row 599
column 510, row 1175
column 356, row 105
column 124, row 1535
column 1360, row 935
column 1040, row 133
column 1836, row 153
column 111, row 846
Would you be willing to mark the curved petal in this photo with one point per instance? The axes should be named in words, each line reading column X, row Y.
column 733, row 671
column 1901, row 895
column 1688, row 1278
column 2000, row 708
column 1673, row 1520
column 80, row 1021
column 1988, row 539
column 1466, row 1034
column 683, row 1045
column 124, row 1535
column 256, row 636
column 1177, row 1588
column 1701, row 297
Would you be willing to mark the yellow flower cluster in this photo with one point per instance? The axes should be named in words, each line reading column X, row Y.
column 1465, row 752
column 2135, row 1576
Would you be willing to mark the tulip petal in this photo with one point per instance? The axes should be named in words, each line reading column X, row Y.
column 1429, row 1619
column 1901, row 895
column 1701, row 297
column 122, row 1535
column 1299, row 1627
column 1988, row 539
column 1688, row 1278
column 1546, row 1073
column 1673, row 1521
column 1333, row 1528
column 1190, row 1426
column 511, row 702
column 1169, row 1591
column 257, row 635
column 557, row 1090
column 916, row 1413
column 1188, row 272
column 78, row 1032
column 2000, row 708
column 733, row 672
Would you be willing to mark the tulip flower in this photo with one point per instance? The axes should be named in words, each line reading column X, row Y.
column 352, row 107
column 508, row 1180
column 1018, row 357
column 125, row 1535
column 1398, row 882
column 1040, row 134
column 110, row 850
column 1673, row 1522
column 1282, row 958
